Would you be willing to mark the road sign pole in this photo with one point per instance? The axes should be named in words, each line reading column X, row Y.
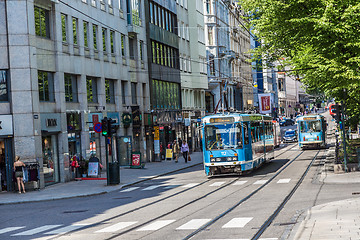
column 107, row 162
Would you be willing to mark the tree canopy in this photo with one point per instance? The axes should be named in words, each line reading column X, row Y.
column 321, row 38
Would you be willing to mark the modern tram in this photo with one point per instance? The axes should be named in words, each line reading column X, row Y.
column 312, row 131
column 235, row 143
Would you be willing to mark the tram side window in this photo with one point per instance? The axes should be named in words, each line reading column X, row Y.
column 246, row 133
column 255, row 131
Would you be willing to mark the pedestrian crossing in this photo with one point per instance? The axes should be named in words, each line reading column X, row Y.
column 193, row 224
column 191, row 185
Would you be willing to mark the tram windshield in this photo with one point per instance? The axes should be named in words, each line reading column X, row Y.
column 310, row 126
column 225, row 136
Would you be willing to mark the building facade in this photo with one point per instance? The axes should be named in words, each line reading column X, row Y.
column 192, row 68
column 219, row 55
column 164, row 73
column 71, row 64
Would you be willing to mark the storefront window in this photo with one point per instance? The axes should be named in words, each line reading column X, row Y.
column 50, row 159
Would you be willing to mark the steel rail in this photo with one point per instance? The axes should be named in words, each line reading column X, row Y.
column 203, row 227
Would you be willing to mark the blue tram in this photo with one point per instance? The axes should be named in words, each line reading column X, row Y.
column 312, row 131
column 236, row 143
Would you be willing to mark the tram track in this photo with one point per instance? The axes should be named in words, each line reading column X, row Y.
column 284, row 150
column 270, row 219
column 206, row 195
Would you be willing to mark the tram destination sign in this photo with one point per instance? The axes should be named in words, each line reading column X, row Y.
column 309, row 118
column 222, row 120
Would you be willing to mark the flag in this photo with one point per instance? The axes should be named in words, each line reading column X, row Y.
column 265, row 103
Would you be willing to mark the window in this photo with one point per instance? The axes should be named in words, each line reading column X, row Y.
column 75, row 30
column 120, row 5
column 84, row 1
column 208, row 6
column 70, row 88
column 123, row 45
column 210, row 36
column 151, row 13
column 141, row 50
column 132, row 48
column 64, row 27
column 109, row 91
column 46, row 86
column 112, row 39
column 134, row 93
column 42, row 23
column 187, row 36
column 104, row 38
column 4, row 79
column 86, row 32
column 123, row 92
column 91, row 87
column 212, row 65
column 95, row 29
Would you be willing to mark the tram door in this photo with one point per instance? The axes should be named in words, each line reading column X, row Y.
column 247, row 142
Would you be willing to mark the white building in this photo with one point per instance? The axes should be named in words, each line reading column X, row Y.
column 66, row 65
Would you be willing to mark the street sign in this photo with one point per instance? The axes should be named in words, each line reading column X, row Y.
column 98, row 128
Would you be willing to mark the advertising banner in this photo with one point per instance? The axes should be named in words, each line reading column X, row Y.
column 265, row 103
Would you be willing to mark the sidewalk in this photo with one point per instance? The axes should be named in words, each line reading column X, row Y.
column 128, row 176
column 333, row 220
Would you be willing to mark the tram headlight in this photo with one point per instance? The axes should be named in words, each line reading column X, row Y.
column 212, row 159
column 218, row 159
column 234, row 158
column 229, row 159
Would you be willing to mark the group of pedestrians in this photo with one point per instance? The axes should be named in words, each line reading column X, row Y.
column 184, row 149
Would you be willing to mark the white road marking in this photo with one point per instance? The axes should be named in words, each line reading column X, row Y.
column 190, row 185
column 36, row 230
column 151, row 187
column 237, row 222
column 129, row 189
column 258, row 182
column 156, row 225
column 240, row 183
column 285, row 180
column 217, row 184
column 193, row 224
column 116, row 227
column 66, row 229
column 9, row 229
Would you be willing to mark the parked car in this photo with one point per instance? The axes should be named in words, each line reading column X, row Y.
column 290, row 136
column 286, row 122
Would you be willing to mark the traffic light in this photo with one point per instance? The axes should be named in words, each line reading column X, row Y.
column 104, row 126
column 338, row 113
column 111, row 127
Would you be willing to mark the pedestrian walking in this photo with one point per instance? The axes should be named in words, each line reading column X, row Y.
column 176, row 150
column 185, row 150
column 18, row 168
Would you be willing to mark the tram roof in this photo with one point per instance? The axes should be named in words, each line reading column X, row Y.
column 237, row 117
column 310, row 117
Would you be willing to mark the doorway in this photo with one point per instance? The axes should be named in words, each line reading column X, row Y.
column 6, row 165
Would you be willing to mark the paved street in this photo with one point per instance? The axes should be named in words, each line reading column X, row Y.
column 182, row 202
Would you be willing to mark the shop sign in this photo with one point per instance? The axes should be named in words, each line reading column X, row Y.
column 114, row 116
column 157, row 146
column 135, row 110
column 126, row 119
column 94, row 118
column 50, row 122
column 6, row 125
column 187, row 122
column 156, row 133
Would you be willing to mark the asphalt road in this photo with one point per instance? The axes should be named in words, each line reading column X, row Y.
column 179, row 205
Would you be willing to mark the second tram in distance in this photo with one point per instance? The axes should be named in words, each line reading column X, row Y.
column 312, row 131
column 236, row 143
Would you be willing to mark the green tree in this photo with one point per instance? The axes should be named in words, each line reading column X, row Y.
column 318, row 37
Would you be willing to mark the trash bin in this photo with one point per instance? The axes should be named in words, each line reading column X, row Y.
column 114, row 173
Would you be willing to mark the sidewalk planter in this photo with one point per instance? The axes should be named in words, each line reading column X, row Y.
column 340, row 168
column 114, row 173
